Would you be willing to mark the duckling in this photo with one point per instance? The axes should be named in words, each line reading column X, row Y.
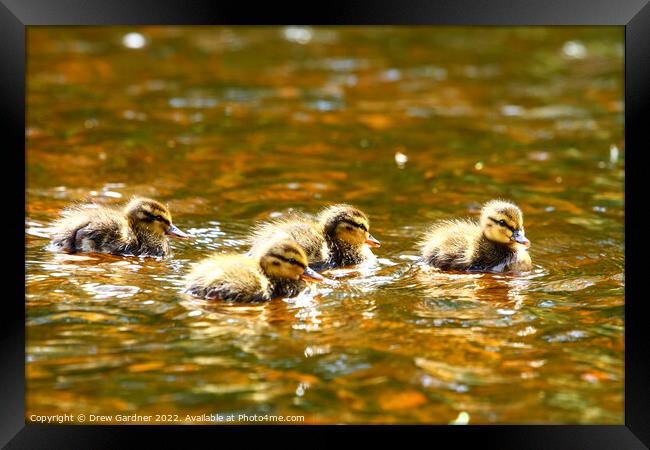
column 496, row 243
column 280, row 270
column 140, row 228
column 339, row 236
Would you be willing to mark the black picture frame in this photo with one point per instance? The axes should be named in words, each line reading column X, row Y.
column 15, row 15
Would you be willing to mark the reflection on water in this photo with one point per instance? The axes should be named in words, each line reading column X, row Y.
column 232, row 126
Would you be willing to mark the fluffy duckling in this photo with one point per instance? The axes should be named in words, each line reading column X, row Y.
column 140, row 228
column 496, row 243
column 279, row 271
column 339, row 236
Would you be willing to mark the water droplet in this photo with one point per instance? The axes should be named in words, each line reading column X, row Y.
column 574, row 49
column 298, row 35
column 613, row 154
column 527, row 331
column 134, row 40
column 401, row 159
column 546, row 304
column 512, row 110
column 391, row 75
column 462, row 419
column 300, row 390
column 538, row 156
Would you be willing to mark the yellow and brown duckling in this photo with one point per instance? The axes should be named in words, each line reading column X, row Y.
column 496, row 243
column 140, row 228
column 339, row 236
column 280, row 270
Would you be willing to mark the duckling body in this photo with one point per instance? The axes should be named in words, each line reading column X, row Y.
column 140, row 228
column 496, row 243
column 230, row 277
column 337, row 237
column 279, row 271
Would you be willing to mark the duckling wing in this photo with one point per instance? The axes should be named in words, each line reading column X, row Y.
column 450, row 244
column 101, row 238
column 306, row 232
column 83, row 229
column 65, row 236
column 234, row 278
column 84, row 239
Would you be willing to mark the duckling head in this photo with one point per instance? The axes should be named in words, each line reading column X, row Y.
column 503, row 222
column 151, row 216
column 285, row 259
column 347, row 224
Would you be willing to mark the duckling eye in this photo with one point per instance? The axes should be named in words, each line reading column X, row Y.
column 502, row 223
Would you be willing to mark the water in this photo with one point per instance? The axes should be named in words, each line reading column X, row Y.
column 232, row 126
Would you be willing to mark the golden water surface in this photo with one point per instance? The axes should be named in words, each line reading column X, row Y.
column 230, row 126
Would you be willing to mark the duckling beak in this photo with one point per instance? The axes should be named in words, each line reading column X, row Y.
column 311, row 275
column 372, row 242
column 173, row 231
column 519, row 237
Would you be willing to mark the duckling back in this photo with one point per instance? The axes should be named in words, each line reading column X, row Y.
column 451, row 244
column 237, row 278
column 306, row 232
column 92, row 228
